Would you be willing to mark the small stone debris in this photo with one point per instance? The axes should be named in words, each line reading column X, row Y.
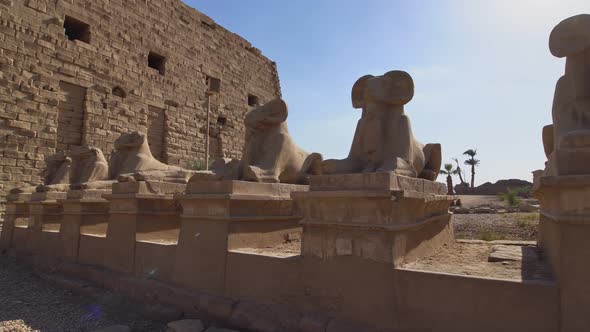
column 504, row 253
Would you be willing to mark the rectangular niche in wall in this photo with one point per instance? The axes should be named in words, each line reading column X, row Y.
column 70, row 118
column 213, row 85
column 252, row 100
column 156, row 132
column 157, row 62
column 77, row 30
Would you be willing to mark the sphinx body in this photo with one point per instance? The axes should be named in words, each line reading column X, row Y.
column 383, row 140
column 269, row 153
column 56, row 175
column 567, row 140
column 132, row 160
column 86, row 164
column 89, row 167
column 85, row 167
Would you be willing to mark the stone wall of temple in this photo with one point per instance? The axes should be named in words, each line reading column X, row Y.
column 83, row 71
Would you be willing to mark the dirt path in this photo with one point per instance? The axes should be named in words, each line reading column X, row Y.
column 29, row 303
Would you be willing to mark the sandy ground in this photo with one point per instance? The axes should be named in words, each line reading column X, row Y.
column 289, row 249
column 29, row 303
column 472, row 259
column 508, row 226
column 469, row 201
column 488, row 227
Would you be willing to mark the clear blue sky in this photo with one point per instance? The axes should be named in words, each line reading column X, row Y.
column 483, row 73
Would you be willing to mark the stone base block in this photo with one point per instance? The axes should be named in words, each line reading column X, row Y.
column 17, row 215
column 564, row 233
column 88, row 194
column 148, row 187
column 237, row 188
column 84, row 211
column 48, row 196
column 222, row 215
column 142, row 210
column 388, row 182
column 24, row 197
column 45, row 216
column 378, row 216
column 384, row 244
column 21, row 240
column 50, row 244
column 153, row 260
column 91, row 250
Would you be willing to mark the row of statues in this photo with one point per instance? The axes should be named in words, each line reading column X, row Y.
column 85, row 167
column 81, row 164
column 383, row 142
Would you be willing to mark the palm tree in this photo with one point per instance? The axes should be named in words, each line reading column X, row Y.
column 449, row 171
column 459, row 170
column 471, row 162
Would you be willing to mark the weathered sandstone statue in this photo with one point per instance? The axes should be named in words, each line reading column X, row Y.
column 269, row 154
column 132, row 160
column 64, row 170
column 85, row 164
column 88, row 165
column 56, row 175
column 567, row 141
column 383, row 141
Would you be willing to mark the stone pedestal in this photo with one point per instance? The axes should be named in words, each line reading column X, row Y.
column 564, row 235
column 139, row 211
column 17, row 215
column 84, row 211
column 218, row 216
column 376, row 216
column 45, row 212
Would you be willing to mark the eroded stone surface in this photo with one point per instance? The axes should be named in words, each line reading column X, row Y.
column 89, row 165
column 56, row 175
column 133, row 161
column 383, row 140
column 380, row 216
column 567, row 140
column 269, row 153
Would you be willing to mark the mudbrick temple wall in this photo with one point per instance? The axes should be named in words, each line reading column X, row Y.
column 76, row 72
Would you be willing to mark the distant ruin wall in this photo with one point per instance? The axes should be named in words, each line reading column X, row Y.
column 84, row 71
column 488, row 188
